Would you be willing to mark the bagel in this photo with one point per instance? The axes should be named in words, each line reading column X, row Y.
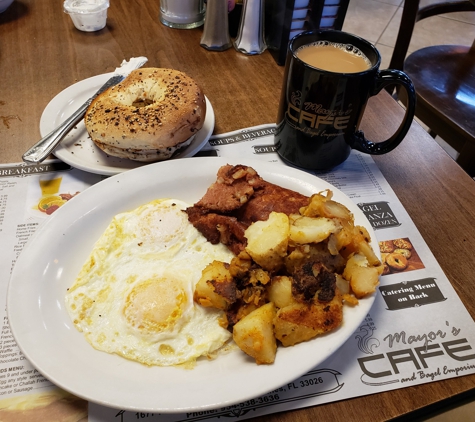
column 396, row 261
column 386, row 246
column 404, row 252
column 148, row 116
column 402, row 244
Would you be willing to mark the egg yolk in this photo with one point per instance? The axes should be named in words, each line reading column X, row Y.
column 155, row 306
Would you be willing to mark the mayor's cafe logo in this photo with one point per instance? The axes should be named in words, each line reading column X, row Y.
column 407, row 357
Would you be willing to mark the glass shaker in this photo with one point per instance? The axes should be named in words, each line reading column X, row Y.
column 216, row 30
column 250, row 37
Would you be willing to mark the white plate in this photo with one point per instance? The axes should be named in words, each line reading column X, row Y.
column 53, row 257
column 77, row 148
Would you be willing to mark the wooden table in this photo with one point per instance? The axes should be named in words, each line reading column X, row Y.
column 41, row 53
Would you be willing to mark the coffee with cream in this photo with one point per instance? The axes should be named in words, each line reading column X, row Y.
column 333, row 57
column 328, row 78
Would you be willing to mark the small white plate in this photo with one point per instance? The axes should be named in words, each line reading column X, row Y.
column 54, row 255
column 77, row 148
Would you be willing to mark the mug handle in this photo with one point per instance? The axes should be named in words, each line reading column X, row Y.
column 385, row 78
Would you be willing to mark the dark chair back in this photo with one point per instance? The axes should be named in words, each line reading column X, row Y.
column 444, row 78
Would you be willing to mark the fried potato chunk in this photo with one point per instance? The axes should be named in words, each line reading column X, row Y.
column 216, row 287
column 358, row 242
column 254, row 334
column 244, row 310
column 280, row 291
column 300, row 322
column 304, row 230
column 267, row 241
column 323, row 206
column 363, row 278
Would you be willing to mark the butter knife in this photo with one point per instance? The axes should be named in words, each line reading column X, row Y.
column 45, row 146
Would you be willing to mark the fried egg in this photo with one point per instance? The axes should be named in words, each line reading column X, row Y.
column 134, row 295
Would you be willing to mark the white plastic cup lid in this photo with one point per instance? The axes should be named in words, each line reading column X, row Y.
column 85, row 6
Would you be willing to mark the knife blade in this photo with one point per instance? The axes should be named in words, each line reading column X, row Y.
column 45, row 146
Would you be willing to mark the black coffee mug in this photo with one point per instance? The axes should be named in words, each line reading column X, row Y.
column 320, row 110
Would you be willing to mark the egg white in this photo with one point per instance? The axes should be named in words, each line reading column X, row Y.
column 134, row 295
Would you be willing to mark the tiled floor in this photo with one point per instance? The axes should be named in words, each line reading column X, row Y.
column 378, row 22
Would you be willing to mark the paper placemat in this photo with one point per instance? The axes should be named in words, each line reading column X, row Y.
column 418, row 330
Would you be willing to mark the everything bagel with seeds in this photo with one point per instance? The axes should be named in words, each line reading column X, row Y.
column 148, row 116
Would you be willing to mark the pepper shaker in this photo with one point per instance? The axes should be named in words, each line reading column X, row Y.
column 250, row 37
column 216, row 29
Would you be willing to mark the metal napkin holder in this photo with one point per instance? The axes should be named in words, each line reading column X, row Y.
column 286, row 18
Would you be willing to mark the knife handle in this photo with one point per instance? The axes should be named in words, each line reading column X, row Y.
column 45, row 146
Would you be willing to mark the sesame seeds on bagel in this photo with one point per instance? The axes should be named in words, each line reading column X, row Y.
column 148, row 116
